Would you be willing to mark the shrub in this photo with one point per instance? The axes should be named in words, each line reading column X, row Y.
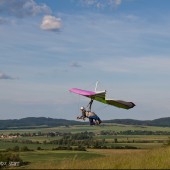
column 6, row 158
column 25, row 148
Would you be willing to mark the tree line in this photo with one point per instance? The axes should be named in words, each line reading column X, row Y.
column 135, row 132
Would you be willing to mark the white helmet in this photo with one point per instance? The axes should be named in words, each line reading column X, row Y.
column 82, row 108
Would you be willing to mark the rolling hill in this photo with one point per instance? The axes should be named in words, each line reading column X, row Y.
column 33, row 122
column 163, row 122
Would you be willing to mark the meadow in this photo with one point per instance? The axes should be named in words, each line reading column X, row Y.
column 112, row 159
column 82, row 128
column 118, row 150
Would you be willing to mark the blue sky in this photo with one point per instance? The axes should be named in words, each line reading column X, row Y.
column 50, row 46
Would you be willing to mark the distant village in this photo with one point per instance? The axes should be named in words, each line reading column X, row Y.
column 9, row 136
column 18, row 135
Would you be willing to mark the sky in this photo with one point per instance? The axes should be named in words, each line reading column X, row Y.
column 50, row 46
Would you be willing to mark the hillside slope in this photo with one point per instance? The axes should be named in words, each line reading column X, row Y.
column 32, row 122
column 164, row 122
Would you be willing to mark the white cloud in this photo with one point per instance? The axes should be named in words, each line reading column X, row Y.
column 22, row 8
column 35, row 8
column 118, row 2
column 51, row 23
column 101, row 4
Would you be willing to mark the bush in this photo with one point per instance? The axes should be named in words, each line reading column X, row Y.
column 39, row 148
column 6, row 158
column 25, row 149
column 15, row 148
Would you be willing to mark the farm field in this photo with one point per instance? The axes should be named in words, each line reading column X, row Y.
column 82, row 128
column 111, row 146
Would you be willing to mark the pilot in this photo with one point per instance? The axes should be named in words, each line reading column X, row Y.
column 91, row 115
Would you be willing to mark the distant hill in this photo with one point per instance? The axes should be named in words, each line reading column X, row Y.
column 37, row 122
column 163, row 122
column 33, row 122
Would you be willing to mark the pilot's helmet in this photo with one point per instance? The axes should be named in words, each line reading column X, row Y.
column 82, row 108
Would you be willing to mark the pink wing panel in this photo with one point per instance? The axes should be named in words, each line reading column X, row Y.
column 82, row 92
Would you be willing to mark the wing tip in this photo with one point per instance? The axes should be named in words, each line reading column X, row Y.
column 133, row 105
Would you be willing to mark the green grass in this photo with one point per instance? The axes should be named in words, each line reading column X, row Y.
column 102, row 159
column 151, row 141
column 139, row 145
column 151, row 154
column 82, row 128
column 5, row 145
column 41, row 156
column 39, row 159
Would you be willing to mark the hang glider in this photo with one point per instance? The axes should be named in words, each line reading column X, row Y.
column 101, row 97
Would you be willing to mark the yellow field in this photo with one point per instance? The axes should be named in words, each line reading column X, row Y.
column 114, row 159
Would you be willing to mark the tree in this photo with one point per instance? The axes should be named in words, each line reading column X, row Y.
column 15, row 148
column 25, row 148
column 116, row 141
column 39, row 148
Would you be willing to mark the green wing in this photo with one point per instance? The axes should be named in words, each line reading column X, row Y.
column 117, row 103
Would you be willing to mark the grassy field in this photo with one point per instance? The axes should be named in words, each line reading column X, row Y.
column 57, row 156
column 101, row 159
column 82, row 128
column 151, row 153
column 5, row 145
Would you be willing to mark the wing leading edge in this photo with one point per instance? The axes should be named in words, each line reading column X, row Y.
column 100, row 96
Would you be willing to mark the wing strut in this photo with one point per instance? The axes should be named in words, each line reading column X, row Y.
column 90, row 105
